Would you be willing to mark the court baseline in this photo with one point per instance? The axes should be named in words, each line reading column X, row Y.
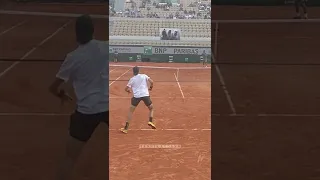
column 213, row 115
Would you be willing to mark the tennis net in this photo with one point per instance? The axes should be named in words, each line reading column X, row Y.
column 162, row 73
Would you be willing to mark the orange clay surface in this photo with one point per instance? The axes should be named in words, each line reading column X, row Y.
column 182, row 116
column 277, row 106
column 33, row 125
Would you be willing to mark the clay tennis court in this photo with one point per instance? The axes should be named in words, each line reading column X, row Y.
column 181, row 97
column 266, row 116
column 33, row 124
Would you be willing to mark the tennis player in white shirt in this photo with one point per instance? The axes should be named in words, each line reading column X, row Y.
column 87, row 68
column 139, row 84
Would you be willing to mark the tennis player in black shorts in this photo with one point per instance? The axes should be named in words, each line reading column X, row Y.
column 205, row 59
column 139, row 85
column 303, row 4
column 88, row 69
column 116, row 54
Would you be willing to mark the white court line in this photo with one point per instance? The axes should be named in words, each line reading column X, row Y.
column 265, row 115
column 33, row 49
column 13, row 27
column 163, row 129
column 35, row 114
column 69, row 15
column 161, row 67
column 164, row 98
column 222, row 82
column 178, row 73
column 118, row 77
column 298, row 37
column 112, row 70
column 214, row 115
column 179, row 85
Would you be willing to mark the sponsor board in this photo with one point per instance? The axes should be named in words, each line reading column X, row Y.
column 126, row 49
column 178, row 50
column 149, row 50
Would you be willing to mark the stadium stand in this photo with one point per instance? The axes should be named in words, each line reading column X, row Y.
column 150, row 27
column 141, row 20
column 186, row 9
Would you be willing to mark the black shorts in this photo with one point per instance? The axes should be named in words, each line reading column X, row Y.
column 135, row 101
column 82, row 125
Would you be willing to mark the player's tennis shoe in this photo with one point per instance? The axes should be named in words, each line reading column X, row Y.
column 151, row 124
column 125, row 131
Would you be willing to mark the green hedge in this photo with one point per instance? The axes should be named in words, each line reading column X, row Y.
column 159, row 58
column 158, row 53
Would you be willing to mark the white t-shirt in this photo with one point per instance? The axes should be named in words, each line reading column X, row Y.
column 139, row 85
column 87, row 68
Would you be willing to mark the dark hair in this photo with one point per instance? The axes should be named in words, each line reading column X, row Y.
column 84, row 29
column 136, row 70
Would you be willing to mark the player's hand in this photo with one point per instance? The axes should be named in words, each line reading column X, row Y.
column 64, row 96
column 150, row 88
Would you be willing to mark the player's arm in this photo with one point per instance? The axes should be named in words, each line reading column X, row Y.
column 151, row 83
column 57, row 90
column 62, row 76
column 55, row 87
column 128, row 87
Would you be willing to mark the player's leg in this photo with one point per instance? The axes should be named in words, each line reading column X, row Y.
column 134, row 103
column 147, row 101
column 151, row 123
column 73, row 150
column 129, row 117
column 297, row 6
column 80, row 130
column 105, row 117
column 304, row 7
